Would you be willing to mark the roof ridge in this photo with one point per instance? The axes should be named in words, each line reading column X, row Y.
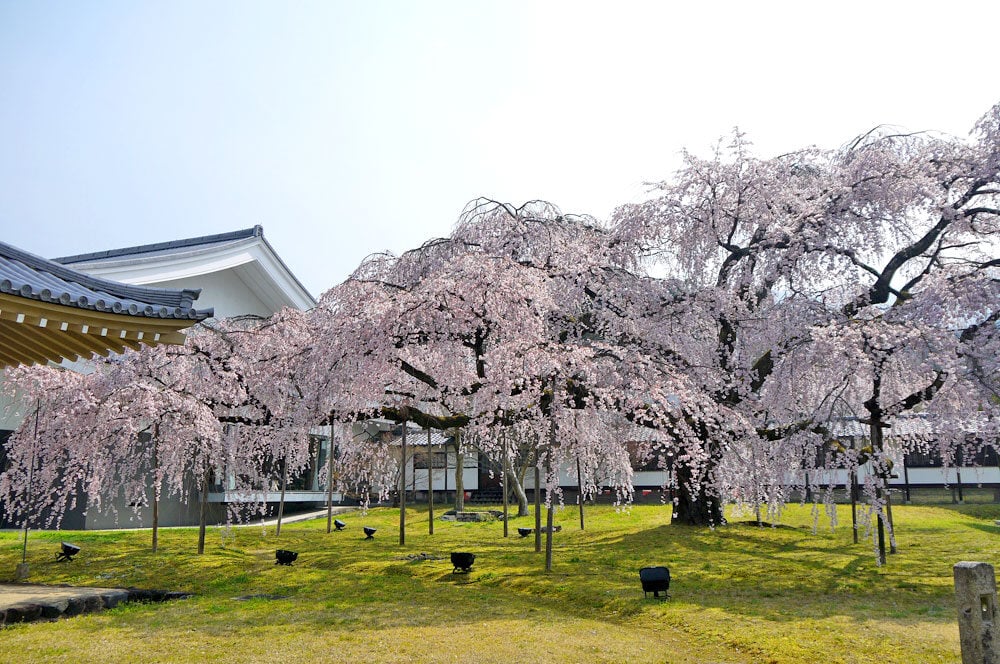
column 136, row 252
column 256, row 231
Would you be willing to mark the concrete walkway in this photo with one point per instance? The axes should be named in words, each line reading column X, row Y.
column 288, row 518
column 306, row 516
column 18, row 593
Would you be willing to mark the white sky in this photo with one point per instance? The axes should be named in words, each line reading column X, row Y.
column 346, row 128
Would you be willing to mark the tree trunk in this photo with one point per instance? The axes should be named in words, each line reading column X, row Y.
column 579, row 490
column 875, row 431
column 696, row 508
column 516, row 475
column 518, row 487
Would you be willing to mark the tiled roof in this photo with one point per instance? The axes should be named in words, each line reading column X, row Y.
column 163, row 247
column 187, row 249
column 913, row 426
column 418, row 436
column 26, row 275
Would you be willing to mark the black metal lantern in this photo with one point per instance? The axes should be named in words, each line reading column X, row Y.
column 655, row 580
column 524, row 532
column 369, row 532
column 462, row 561
column 285, row 557
column 338, row 524
column 68, row 551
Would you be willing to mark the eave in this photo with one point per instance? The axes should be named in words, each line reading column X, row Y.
column 35, row 332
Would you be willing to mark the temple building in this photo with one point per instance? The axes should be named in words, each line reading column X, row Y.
column 72, row 307
column 50, row 312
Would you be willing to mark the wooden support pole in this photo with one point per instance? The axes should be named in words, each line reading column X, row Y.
column 402, row 491
column 430, row 484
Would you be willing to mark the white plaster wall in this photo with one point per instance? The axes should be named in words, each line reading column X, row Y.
column 416, row 478
column 225, row 291
column 10, row 413
column 443, row 481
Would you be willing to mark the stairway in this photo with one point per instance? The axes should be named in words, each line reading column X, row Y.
column 489, row 496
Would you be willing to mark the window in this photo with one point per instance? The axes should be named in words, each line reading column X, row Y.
column 420, row 460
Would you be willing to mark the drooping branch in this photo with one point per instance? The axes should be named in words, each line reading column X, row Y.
column 920, row 396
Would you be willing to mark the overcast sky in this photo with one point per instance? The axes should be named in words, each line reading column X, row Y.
column 346, row 128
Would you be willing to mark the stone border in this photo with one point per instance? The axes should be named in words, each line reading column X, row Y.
column 68, row 605
column 472, row 515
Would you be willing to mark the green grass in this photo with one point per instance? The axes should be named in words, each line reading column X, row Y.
column 740, row 593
